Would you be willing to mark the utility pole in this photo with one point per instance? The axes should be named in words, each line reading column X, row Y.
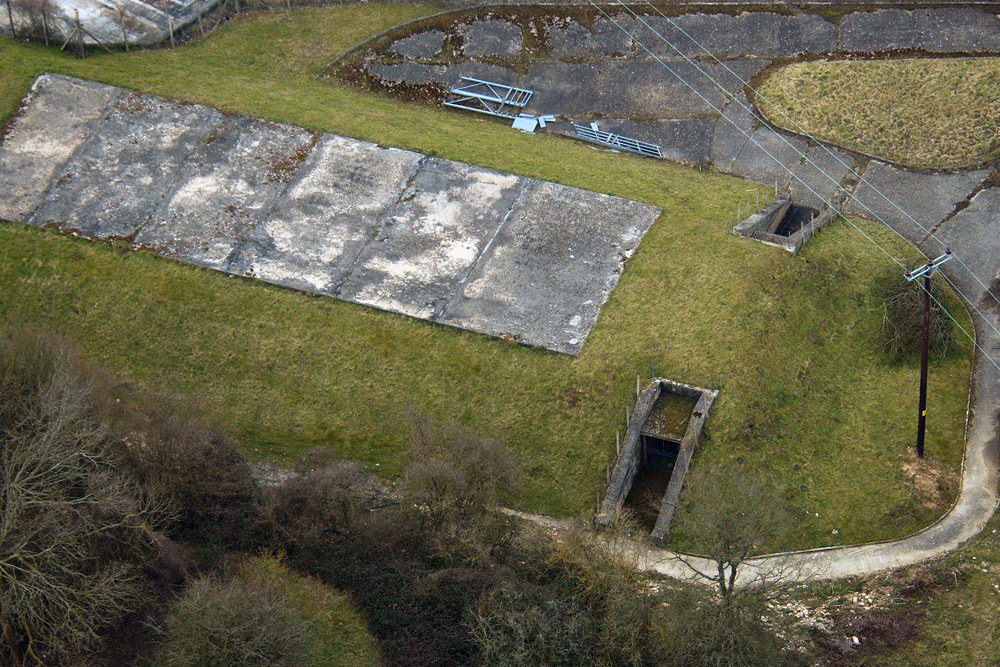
column 925, row 272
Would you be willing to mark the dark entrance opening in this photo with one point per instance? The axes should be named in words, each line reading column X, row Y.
column 646, row 495
column 660, row 452
column 796, row 217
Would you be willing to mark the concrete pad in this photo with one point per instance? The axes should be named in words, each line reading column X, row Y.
column 569, row 39
column 973, row 236
column 817, row 177
column 420, row 45
column 927, row 198
column 418, row 74
column 732, row 132
column 493, row 37
column 312, row 235
column 939, row 30
column 551, row 267
column 53, row 121
column 628, row 88
column 769, row 156
column 145, row 21
column 120, row 175
column 226, row 186
column 687, row 140
column 431, row 241
column 753, row 34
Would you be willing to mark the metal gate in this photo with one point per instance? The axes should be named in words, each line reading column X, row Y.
column 660, row 454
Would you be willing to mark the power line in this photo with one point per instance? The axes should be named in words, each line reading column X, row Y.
column 766, row 152
column 802, row 130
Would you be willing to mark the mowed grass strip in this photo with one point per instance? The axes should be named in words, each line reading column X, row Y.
column 789, row 340
column 934, row 113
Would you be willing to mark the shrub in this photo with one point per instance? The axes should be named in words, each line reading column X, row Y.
column 74, row 527
column 245, row 621
column 901, row 335
column 194, row 467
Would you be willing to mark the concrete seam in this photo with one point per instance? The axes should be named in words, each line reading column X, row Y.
column 379, row 227
column 482, row 253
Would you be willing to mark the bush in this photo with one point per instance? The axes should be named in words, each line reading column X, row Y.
column 901, row 335
column 76, row 529
column 196, row 469
column 245, row 621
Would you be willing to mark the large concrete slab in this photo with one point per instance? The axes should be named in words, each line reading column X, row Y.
column 927, row 198
column 732, row 132
column 818, row 176
column 749, row 34
column 120, row 175
column 629, row 88
column 232, row 178
column 53, row 121
column 382, row 227
column 552, row 265
column 569, row 39
column 433, row 238
column 769, row 157
column 419, row 45
column 973, row 234
column 313, row 234
column 492, row 37
column 938, row 30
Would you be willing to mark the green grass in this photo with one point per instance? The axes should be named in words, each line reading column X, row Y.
column 789, row 340
column 940, row 113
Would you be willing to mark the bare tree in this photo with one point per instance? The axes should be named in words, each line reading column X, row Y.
column 74, row 529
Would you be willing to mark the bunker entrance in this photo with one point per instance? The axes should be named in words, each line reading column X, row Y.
column 662, row 435
column 796, row 218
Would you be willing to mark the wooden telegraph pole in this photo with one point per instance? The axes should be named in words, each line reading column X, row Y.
column 925, row 272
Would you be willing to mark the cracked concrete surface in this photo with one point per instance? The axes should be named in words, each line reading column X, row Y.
column 421, row 236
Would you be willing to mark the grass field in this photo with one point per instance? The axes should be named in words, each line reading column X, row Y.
column 939, row 113
column 789, row 340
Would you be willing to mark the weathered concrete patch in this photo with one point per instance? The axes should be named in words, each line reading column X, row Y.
column 552, row 266
column 230, row 181
column 432, row 240
column 974, row 235
column 382, row 227
column 119, row 176
column 927, row 198
column 420, row 45
column 58, row 115
column 768, row 157
column 628, row 88
column 938, row 30
column 568, row 39
column 312, row 235
column 418, row 74
column 493, row 37
column 754, row 34
column 732, row 131
column 817, row 177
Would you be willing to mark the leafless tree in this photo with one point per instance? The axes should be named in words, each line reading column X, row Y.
column 74, row 529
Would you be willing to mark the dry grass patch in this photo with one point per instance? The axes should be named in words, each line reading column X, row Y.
column 937, row 113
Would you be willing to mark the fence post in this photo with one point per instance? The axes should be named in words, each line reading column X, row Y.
column 618, row 443
column 170, row 26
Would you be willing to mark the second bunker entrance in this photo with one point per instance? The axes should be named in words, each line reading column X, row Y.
column 661, row 438
column 784, row 224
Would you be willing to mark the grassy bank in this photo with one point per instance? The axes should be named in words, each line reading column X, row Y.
column 789, row 340
column 937, row 113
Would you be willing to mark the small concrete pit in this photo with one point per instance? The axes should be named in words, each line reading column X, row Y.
column 784, row 224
